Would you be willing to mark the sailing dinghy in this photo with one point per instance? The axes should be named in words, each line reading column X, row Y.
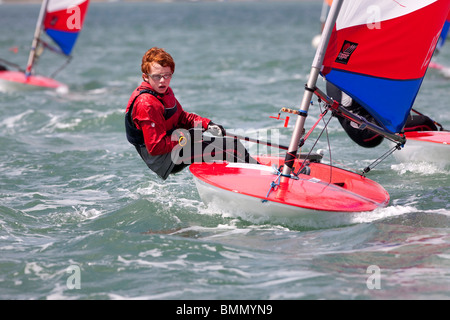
column 428, row 142
column 365, row 50
column 426, row 146
column 62, row 21
column 430, row 146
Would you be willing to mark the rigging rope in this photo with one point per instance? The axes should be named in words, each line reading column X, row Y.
column 377, row 161
column 326, row 123
column 12, row 64
column 69, row 58
column 302, row 141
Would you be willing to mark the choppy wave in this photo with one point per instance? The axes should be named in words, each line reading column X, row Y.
column 74, row 193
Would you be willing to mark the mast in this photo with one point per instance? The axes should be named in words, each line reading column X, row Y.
column 37, row 35
column 310, row 87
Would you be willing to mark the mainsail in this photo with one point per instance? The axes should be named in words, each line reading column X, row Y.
column 379, row 52
column 62, row 20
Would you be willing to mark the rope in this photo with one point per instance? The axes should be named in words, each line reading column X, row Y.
column 377, row 161
column 12, row 64
column 69, row 58
column 233, row 153
column 309, row 133
column 273, row 184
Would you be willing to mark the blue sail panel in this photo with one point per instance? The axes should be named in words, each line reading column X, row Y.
column 65, row 40
column 393, row 98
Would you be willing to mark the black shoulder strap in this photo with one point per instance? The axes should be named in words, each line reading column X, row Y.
column 148, row 91
column 130, row 110
column 141, row 92
column 134, row 135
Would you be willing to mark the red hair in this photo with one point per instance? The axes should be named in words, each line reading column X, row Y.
column 158, row 55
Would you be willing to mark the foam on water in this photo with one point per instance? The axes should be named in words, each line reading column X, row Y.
column 74, row 192
column 423, row 168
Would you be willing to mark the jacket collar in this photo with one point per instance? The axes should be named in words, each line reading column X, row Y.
column 146, row 86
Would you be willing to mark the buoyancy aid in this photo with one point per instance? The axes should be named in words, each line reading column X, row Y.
column 160, row 164
column 135, row 135
column 173, row 117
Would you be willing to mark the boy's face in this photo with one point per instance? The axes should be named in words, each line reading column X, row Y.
column 159, row 77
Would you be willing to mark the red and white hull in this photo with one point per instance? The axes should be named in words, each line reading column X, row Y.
column 247, row 188
column 16, row 81
column 425, row 146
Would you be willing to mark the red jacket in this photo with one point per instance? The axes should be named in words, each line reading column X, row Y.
column 158, row 117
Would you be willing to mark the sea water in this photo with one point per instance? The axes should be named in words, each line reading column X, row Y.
column 81, row 216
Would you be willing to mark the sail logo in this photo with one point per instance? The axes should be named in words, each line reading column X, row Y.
column 346, row 51
column 53, row 20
